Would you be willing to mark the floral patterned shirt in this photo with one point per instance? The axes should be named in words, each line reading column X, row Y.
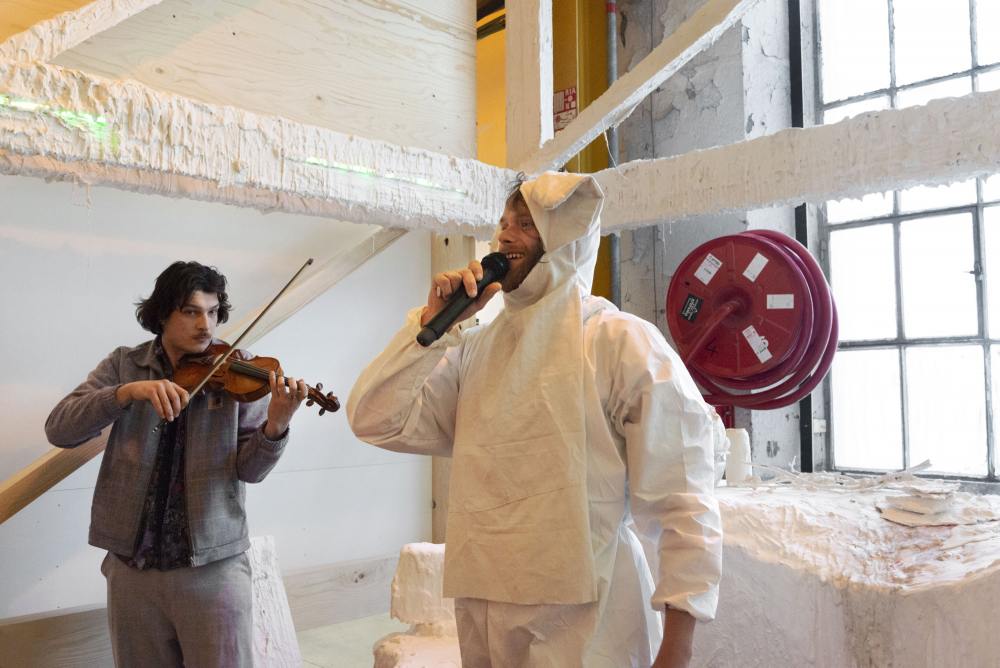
column 164, row 542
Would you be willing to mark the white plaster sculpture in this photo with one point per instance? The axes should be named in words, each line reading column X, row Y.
column 432, row 641
column 274, row 642
column 816, row 577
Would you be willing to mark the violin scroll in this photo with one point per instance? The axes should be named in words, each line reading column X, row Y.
column 327, row 403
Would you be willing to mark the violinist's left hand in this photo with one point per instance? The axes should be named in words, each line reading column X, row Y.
column 285, row 400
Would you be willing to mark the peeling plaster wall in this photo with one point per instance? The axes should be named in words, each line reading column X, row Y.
column 737, row 89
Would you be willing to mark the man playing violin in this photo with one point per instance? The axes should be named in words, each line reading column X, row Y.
column 169, row 505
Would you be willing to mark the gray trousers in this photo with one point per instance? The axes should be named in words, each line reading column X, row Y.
column 199, row 617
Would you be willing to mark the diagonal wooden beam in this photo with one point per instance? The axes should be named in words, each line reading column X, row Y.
column 58, row 123
column 55, row 465
column 693, row 36
column 946, row 141
column 47, row 39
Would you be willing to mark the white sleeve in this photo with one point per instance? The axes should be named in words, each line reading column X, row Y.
column 405, row 399
column 670, row 434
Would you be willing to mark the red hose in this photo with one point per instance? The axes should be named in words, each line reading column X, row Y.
column 810, row 357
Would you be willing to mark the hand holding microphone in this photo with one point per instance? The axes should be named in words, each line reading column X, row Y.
column 457, row 295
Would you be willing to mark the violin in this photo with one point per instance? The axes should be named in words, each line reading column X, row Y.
column 243, row 378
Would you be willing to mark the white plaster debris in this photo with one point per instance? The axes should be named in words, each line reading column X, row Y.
column 695, row 35
column 165, row 144
column 943, row 142
column 47, row 39
column 400, row 650
column 817, row 578
column 432, row 641
column 962, row 508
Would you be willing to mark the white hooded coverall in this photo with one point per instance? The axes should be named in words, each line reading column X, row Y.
column 567, row 420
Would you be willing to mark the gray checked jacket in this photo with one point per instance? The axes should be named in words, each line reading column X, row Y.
column 225, row 447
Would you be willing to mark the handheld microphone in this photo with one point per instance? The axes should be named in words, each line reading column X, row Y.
column 495, row 267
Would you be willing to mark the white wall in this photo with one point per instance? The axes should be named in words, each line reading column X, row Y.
column 69, row 274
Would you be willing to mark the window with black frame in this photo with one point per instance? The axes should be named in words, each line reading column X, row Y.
column 916, row 272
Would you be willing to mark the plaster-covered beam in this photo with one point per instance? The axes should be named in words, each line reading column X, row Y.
column 946, row 141
column 61, row 124
column 693, row 36
column 47, row 39
column 528, row 68
column 55, row 465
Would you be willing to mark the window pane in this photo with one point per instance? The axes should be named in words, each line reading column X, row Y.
column 869, row 206
column 867, row 411
column 939, row 289
column 923, row 198
column 989, row 80
column 855, row 44
column 932, row 38
column 987, row 20
column 991, row 188
column 855, row 108
column 991, row 249
column 911, row 97
column 946, row 397
column 864, row 282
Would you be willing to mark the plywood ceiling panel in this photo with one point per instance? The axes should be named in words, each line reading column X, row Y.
column 402, row 72
column 19, row 15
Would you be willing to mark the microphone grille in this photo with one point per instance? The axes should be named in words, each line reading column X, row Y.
column 497, row 264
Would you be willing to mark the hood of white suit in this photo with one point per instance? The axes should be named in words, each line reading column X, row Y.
column 566, row 209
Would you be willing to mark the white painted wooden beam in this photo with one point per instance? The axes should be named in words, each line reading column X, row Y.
column 693, row 36
column 62, row 124
column 55, row 465
column 528, row 40
column 46, row 40
column 944, row 142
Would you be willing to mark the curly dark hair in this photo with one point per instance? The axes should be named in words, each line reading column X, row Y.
column 174, row 288
column 515, row 199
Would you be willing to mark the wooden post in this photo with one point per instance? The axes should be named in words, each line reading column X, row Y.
column 528, row 38
column 448, row 251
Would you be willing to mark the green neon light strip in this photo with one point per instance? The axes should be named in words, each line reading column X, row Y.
column 367, row 171
column 98, row 125
column 71, row 118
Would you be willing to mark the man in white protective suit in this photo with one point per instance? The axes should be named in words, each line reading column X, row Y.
column 566, row 420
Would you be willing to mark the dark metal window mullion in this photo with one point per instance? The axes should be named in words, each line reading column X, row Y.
column 892, row 58
column 984, row 310
column 974, row 44
column 900, row 333
column 979, row 254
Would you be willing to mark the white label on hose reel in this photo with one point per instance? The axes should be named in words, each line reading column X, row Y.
column 755, row 267
column 758, row 343
column 781, row 301
column 708, row 268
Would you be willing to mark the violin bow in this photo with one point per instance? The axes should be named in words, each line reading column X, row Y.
column 221, row 359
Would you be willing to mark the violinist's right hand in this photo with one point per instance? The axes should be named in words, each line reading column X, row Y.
column 447, row 283
column 167, row 398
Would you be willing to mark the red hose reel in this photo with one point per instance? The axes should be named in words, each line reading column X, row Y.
column 753, row 319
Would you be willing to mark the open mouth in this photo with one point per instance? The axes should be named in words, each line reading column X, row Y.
column 514, row 256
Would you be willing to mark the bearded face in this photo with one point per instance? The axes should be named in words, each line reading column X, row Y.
column 520, row 241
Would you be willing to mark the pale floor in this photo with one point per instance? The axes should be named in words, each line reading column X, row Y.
column 346, row 645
